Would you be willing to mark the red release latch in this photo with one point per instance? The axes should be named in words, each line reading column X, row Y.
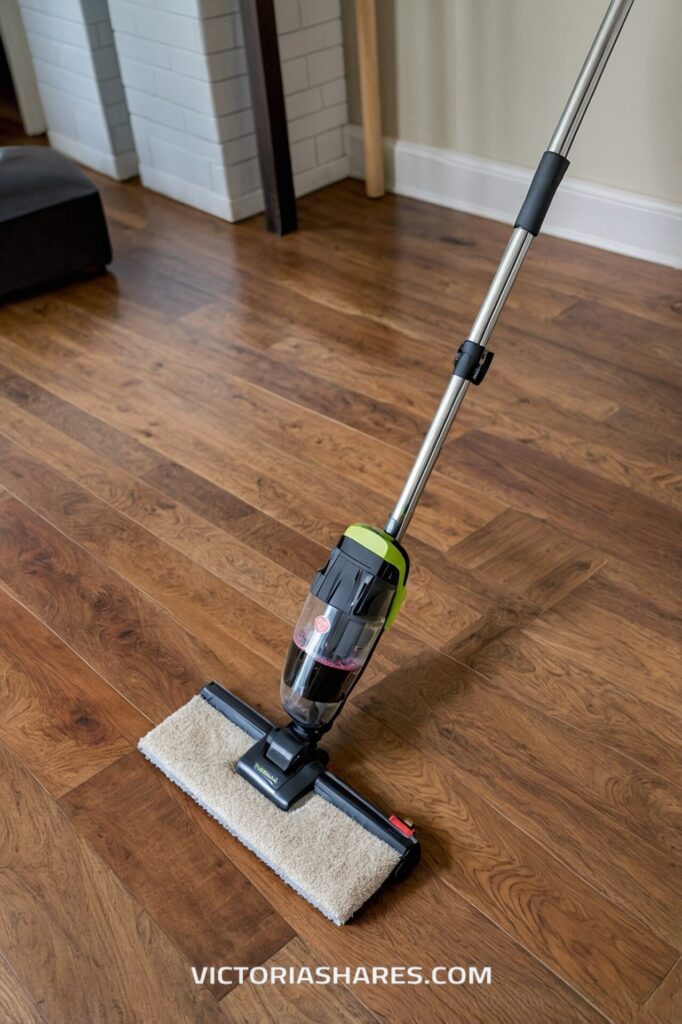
column 402, row 826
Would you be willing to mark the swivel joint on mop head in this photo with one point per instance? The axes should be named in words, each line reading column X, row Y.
column 334, row 847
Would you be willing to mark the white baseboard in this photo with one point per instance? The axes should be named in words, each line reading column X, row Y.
column 242, row 206
column 608, row 218
column 186, row 192
column 120, row 166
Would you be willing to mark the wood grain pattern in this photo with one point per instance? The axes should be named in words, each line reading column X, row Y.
column 603, row 514
column 204, row 904
column 112, row 444
column 529, row 556
column 214, row 611
column 664, row 1006
column 192, row 593
column 422, row 932
column 81, row 946
column 640, row 596
column 179, row 446
column 289, row 548
column 561, row 685
column 639, row 659
column 587, row 321
column 646, row 463
column 15, row 1005
column 58, row 716
column 124, row 635
column 471, row 849
column 230, row 551
column 296, row 1003
column 613, row 822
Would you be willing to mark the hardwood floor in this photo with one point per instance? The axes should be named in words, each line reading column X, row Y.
column 181, row 439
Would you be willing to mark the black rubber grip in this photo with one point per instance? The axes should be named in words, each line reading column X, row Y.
column 546, row 181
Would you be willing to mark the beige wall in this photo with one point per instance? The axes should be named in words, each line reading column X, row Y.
column 490, row 77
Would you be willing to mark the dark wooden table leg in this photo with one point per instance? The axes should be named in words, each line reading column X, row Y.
column 267, row 97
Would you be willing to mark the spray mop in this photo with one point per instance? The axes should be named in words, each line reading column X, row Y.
column 270, row 785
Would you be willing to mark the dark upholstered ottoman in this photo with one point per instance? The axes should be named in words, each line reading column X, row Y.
column 51, row 219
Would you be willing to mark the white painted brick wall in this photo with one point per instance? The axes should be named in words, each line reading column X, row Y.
column 184, row 71
column 79, row 81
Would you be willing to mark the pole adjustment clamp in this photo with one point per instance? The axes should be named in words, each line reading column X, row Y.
column 472, row 361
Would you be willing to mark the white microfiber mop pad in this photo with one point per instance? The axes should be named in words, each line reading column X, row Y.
column 324, row 855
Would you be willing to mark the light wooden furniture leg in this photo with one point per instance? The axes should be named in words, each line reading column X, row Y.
column 368, row 62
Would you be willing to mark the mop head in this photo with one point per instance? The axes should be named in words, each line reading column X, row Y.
column 327, row 857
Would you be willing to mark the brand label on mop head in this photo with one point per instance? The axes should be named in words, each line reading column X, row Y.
column 270, row 776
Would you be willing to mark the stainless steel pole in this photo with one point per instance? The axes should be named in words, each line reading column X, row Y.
column 548, row 176
column 588, row 79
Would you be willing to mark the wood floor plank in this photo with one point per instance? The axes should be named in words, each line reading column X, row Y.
column 256, row 584
column 422, row 390
column 429, row 263
column 609, row 820
column 453, row 269
column 647, row 289
column 142, row 279
column 215, row 612
column 298, row 1004
column 636, row 424
column 408, row 377
column 639, row 595
column 58, row 716
column 558, row 684
column 664, row 1006
column 196, row 596
column 529, row 556
column 293, row 550
column 258, row 476
column 205, row 906
column 176, row 359
column 15, row 1005
column 475, row 849
column 462, row 241
column 229, row 352
column 207, row 610
column 259, row 577
column 606, row 515
column 516, row 565
column 643, row 663
column 595, row 326
column 122, row 449
column 611, row 382
column 632, row 390
column 646, row 463
column 169, row 484
column 241, row 415
column 124, row 635
column 81, row 947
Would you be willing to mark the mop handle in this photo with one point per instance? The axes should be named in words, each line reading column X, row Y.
column 473, row 359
